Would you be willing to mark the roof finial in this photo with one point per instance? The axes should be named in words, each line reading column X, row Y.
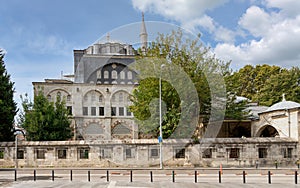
column 283, row 97
column 108, row 37
column 143, row 17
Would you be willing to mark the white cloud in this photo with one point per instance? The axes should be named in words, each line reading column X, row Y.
column 179, row 10
column 256, row 21
column 279, row 45
column 288, row 7
column 270, row 29
column 190, row 14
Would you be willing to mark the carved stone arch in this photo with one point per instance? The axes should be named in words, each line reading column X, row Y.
column 267, row 131
column 58, row 89
column 93, row 130
column 93, row 90
column 121, row 130
column 118, row 92
column 64, row 94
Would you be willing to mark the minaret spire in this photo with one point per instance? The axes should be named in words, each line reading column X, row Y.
column 143, row 35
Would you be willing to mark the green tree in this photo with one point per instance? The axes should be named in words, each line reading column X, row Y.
column 265, row 84
column 44, row 120
column 286, row 82
column 249, row 80
column 197, row 62
column 8, row 107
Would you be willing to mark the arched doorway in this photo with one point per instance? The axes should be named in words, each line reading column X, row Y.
column 267, row 131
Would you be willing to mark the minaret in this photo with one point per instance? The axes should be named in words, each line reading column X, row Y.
column 143, row 35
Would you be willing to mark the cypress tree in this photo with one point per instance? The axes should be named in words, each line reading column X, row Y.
column 8, row 107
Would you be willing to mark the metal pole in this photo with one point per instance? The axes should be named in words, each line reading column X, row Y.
column 220, row 177
column 34, row 175
column 269, row 177
column 16, row 151
column 244, row 177
column 130, row 175
column 89, row 176
column 151, row 176
column 296, row 178
column 160, row 123
column 71, row 175
column 107, row 176
column 15, row 174
column 196, row 176
column 173, row 176
column 52, row 175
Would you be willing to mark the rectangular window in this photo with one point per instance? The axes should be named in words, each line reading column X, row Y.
column 93, row 111
column 106, row 153
column 85, row 111
column 20, row 154
column 234, row 153
column 61, row 153
column 101, row 111
column 129, row 153
column 1, row 153
column 69, row 109
column 128, row 113
column 207, row 153
column 40, row 154
column 113, row 111
column 289, row 152
column 179, row 153
column 154, row 153
column 262, row 152
column 121, row 111
column 83, row 153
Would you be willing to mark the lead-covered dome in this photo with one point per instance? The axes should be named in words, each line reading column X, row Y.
column 283, row 105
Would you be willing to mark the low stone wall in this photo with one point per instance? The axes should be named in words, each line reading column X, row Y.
column 237, row 152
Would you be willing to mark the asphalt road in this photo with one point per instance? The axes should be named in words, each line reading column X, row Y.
column 141, row 178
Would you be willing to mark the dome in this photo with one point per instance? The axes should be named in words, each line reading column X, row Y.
column 283, row 105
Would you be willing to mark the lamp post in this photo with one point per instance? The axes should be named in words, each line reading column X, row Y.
column 160, row 139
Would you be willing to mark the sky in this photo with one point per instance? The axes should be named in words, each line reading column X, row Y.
column 39, row 36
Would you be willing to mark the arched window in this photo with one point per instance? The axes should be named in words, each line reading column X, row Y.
column 93, row 97
column 68, row 98
column 99, row 74
column 129, row 75
column 122, row 75
column 85, row 98
column 114, row 74
column 106, row 74
column 113, row 98
column 121, row 97
column 58, row 95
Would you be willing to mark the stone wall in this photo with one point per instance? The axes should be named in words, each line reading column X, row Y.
column 238, row 152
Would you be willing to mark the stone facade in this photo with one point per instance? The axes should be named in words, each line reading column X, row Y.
column 238, row 152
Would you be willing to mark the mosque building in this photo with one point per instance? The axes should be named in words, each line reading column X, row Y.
column 97, row 97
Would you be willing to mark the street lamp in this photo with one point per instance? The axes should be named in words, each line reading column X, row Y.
column 160, row 139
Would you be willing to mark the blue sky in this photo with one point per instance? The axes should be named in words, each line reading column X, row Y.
column 39, row 35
